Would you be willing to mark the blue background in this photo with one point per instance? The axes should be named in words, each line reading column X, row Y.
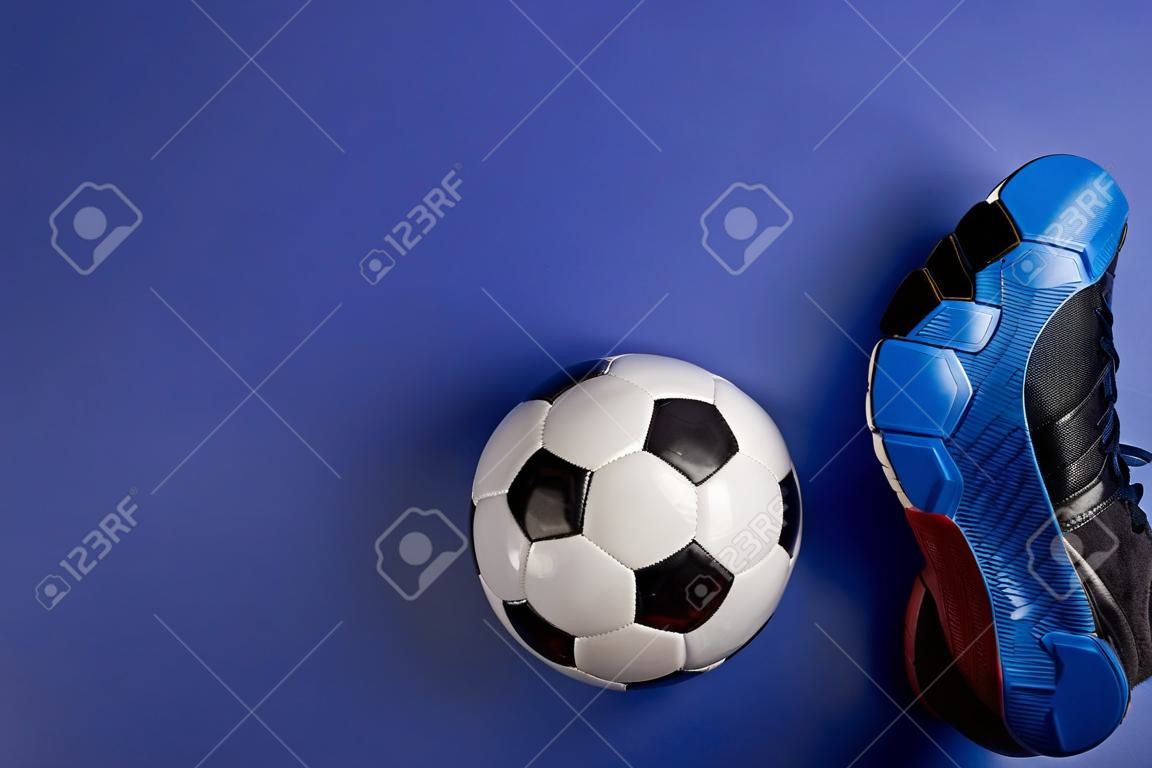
column 254, row 225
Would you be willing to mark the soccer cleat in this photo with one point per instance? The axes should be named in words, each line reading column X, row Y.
column 992, row 407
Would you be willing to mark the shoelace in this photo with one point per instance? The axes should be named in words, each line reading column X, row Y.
column 1123, row 456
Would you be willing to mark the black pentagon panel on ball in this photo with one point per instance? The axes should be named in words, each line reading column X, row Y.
column 562, row 381
column 552, row 643
column 692, row 436
column 682, row 592
column 790, row 532
column 547, row 496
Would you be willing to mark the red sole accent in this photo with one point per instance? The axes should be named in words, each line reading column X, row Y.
column 953, row 577
column 911, row 624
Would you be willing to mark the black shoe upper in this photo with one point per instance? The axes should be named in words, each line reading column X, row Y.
column 1070, row 399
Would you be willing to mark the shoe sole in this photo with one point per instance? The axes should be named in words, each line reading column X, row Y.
column 940, row 687
column 946, row 408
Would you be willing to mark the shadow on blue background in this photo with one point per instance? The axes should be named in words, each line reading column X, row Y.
column 252, row 569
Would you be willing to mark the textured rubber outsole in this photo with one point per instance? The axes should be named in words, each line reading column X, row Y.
column 939, row 685
column 946, row 406
column 965, row 614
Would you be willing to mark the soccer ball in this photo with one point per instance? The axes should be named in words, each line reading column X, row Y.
column 635, row 521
